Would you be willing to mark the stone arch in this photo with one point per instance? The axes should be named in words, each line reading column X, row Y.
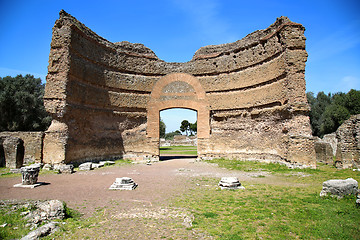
column 178, row 90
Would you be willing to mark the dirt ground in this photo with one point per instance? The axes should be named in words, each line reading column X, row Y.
column 158, row 183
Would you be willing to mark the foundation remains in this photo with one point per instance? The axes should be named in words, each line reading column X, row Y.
column 249, row 95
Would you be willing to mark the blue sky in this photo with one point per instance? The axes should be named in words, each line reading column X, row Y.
column 175, row 29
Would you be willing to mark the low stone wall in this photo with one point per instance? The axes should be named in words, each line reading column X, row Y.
column 10, row 148
column 180, row 140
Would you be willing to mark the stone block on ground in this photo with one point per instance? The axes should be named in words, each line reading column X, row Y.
column 86, row 166
column 98, row 165
column 230, row 183
column 62, row 168
column 42, row 231
column 124, row 183
column 339, row 188
column 47, row 167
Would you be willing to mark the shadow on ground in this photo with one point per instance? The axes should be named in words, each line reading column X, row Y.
column 175, row 157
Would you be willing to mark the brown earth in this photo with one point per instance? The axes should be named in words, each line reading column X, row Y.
column 130, row 212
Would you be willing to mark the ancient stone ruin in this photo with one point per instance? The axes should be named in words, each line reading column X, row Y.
column 249, row 95
column 230, row 183
column 123, row 183
column 19, row 148
column 348, row 143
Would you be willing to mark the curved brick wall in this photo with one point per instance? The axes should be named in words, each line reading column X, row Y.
column 250, row 96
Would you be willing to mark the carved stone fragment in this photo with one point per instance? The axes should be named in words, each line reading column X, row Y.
column 230, row 183
column 124, row 183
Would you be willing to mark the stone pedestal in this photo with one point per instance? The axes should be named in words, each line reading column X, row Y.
column 29, row 177
column 124, row 183
column 230, row 183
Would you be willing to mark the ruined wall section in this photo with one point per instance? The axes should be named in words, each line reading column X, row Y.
column 97, row 101
column 99, row 92
column 256, row 92
column 32, row 143
column 348, row 143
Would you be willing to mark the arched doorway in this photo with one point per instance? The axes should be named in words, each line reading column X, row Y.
column 178, row 133
column 177, row 90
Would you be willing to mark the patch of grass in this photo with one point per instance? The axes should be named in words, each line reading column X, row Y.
column 250, row 166
column 121, row 162
column 266, row 211
column 181, row 150
column 274, row 211
column 5, row 172
column 12, row 222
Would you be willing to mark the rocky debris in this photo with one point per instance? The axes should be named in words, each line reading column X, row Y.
column 64, row 168
column 102, row 164
column 107, row 162
column 35, row 213
column 45, row 211
column 86, row 166
column 42, row 231
column 230, row 183
column 339, row 188
column 48, row 167
column 124, row 183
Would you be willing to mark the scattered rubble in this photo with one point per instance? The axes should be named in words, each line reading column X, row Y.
column 64, row 168
column 36, row 213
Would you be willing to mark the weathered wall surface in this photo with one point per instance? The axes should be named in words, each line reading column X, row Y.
column 325, row 148
column 105, row 97
column 32, row 144
column 348, row 143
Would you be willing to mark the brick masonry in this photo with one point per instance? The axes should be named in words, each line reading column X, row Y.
column 249, row 95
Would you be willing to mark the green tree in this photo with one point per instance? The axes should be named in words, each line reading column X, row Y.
column 318, row 106
column 170, row 135
column 193, row 128
column 162, row 128
column 328, row 112
column 333, row 116
column 21, row 104
column 185, row 126
column 353, row 101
